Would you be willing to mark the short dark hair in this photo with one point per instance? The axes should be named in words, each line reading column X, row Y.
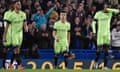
column 13, row 2
column 62, row 11
column 103, row 5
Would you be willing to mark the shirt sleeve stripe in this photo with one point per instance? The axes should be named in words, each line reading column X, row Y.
column 55, row 29
column 7, row 21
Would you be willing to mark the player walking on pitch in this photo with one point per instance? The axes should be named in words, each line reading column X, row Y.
column 103, row 19
column 61, row 35
column 6, row 25
column 13, row 34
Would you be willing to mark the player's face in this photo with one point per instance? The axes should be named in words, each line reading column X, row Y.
column 18, row 5
column 105, row 7
column 63, row 16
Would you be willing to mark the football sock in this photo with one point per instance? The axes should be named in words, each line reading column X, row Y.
column 97, row 56
column 18, row 59
column 66, row 60
column 105, row 57
column 4, row 59
column 55, row 60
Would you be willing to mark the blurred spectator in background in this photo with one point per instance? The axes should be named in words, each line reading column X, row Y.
column 76, row 33
column 2, row 9
column 91, row 11
column 98, row 4
column 48, row 6
column 43, row 37
column 118, row 6
column 23, row 3
column 116, row 37
column 27, row 4
column 71, row 13
column 113, row 3
column 63, row 2
column 3, row 3
column 114, row 21
column 58, row 7
column 1, row 28
column 53, row 18
column 29, row 37
column 29, row 40
column 87, row 36
column 36, row 4
column 40, row 18
column 50, row 29
column 54, row 15
column 1, row 34
column 28, row 14
column 81, row 13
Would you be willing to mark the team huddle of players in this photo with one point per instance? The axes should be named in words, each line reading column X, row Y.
column 15, row 21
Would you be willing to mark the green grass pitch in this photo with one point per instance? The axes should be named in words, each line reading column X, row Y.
column 39, row 70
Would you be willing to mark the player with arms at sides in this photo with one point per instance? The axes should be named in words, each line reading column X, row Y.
column 13, row 33
column 103, row 19
column 61, row 34
column 7, row 45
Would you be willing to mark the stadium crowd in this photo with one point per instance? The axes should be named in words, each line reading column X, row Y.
column 42, row 14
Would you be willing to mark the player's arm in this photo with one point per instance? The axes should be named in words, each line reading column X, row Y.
column 25, row 23
column 54, row 36
column 54, row 33
column 94, row 25
column 47, row 15
column 115, row 11
column 5, row 31
column 25, row 26
column 6, row 25
column 95, row 20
